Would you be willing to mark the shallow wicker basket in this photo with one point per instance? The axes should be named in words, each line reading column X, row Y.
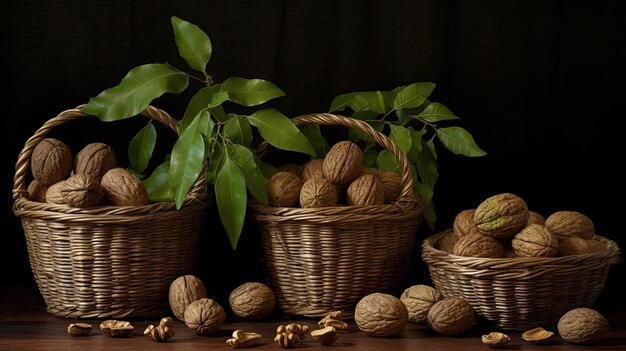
column 523, row 292
column 323, row 259
column 107, row 261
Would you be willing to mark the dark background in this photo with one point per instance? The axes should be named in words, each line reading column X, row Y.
column 538, row 84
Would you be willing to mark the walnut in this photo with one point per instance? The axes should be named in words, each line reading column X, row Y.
column 122, row 188
column 535, row 240
column 333, row 319
column 451, row 316
column 325, row 336
column 82, row 190
column 575, row 246
column 243, row 339
column 381, row 315
column 284, row 189
column 566, row 224
column 204, row 316
column 370, row 170
column 535, row 218
column 252, row 301
column 495, row 339
column 366, row 190
column 595, row 245
column 51, row 161
column 501, row 216
column 162, row 332
column 291, row 168
column 115, row 328
column 478, row 245
column 392, row 185
column 583, row 326
column 37, row 191
column 343, row 162
column 54, row 195
column 464, row 223
column 313, row 168
column 317, row 192
column 447, row 241
column 537, row 335
column 95, row 159
column 183, row 291
column 418, row 299
column 79, row 329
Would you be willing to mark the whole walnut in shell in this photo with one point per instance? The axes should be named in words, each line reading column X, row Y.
column 183, row 291
column 451, row 316
column 291, row 168
column 392, row 185
column 501, row 216
column 313, row 168
column 204, row 316
column 583, row 326
column 565, row 224
column 447, row 241
column 317, row 192
column 54, row 195
column 37, row 191
column 579, row 246
column 284, row 189
column 51, row 161
column 122, row 188
column 343, row 162
column 252, row 301
column 535, row 218
column 381, row 315
column 478, row 245
column 95, row 159
column 418, row 299
column 366, row 190
column 82, row 190
column 535, row 240
column 464, row 223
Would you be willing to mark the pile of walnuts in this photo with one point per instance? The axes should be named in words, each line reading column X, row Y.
column 339, row 178
column 503, row 226
column 91, row 178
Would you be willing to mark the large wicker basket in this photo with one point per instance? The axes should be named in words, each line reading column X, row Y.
column 107, row 261
column 323, row 259
column 523, row 292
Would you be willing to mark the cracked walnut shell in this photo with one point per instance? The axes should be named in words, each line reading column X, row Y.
column 535, row 240
column 565, row 224
column 82, row 190
column 95, row 159
column 501, row 216
column 451, row 316
column 317, row 192
column 284, row 189
column 418, row 299
column 366, row 190
column 478, row 245
column 51, row 161
column 381, row 315
column 122, row 188
column 204, row 316
column 183, row 291
column 343, row 162
column 583, row 326
column 252, row 301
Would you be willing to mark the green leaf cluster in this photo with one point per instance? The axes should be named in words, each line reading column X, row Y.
column 207, row 132
column 413, row 123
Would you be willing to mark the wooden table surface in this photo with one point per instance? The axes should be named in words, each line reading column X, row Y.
column 24, row 325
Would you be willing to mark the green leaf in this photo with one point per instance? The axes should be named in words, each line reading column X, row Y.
column 342, row 101
column 200, row 101
column 205, row 124
column 414, row 154
column 238, row 130
column 186, row 162
column 231, row 197
column 136, row 91
column 193, row 44
column 427, row 164
column 387, row 162
column 401, row 137
column 267, row 169
column 218, row 98
column 413, row 95
column 365, row 115
column 255, row 180
column 158, row 184
column 314, row 134
column 425, row 191
column 215, row 156
column 279, row 131
column 459, row 141
column 436, row 112
column 250, row 92
column 369, row 158
column 141, row 148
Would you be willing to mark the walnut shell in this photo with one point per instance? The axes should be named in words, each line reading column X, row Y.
column 392, row 185
column 536, row 218
column 82, row 190
column 183, row 291
column 252, row 301
column 95, row 159
column 535, row 240
column 37, row 191
column 418, row 299
column 566, row 224
column 51, row 161
column 447, row 241
column 291, row 168
column 370, row 170
column 122, row 188
column 54, row 195
column 313, row 168
column 343, row 162
column 478, row 245
column 464, row 223
column 317, row 192
column 451, row 316
column 579, row 246
column 583, row 326
column 204, row 316
column 501, row 216
column 284, row 189
column 366, row 190
column 595, row 245
column 381, row 315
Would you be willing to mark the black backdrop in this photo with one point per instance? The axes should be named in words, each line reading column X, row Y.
column 536, row 82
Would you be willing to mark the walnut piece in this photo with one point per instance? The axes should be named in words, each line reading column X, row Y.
column 535, row 240
column 115, row 328
column 325, row 336
column 183, row 291
column 501, row 216
column 451, row 316
column 51, row 161
column 82, row 190
column 333, row 319
column 79, row 329
column 284, row 189
column 162, row 332
column 478, row 245
column 242, row 339
column 122, row 188
column 204, row 316
column 381, row 315
column 495, row 339
column 317, row 192
column 566, row 224
column 418, row 299
column 252, row 301
column 583, row 326
column 343, row 162
column 537, row 335
column 366, row 190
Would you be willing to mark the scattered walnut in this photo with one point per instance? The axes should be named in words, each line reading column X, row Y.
column 535, row 240
column 501, row 216
column 451, row 316
column 537, row 335
column 252, row 301
column 478, row 245
column 313, row 168
column 37, row 191
column 381, row 315
column 464, row 223
column 495, row 339
column 286, row 340
column 82, row 190
column 325, row 336
column 162, row 332
column 365, row 190
column 51, row 161
column 535, row 218
column 583, row 326
column 116, row 328
column 183, row 291
column 418, row 299
column 317, row 192
column 570, row 223
column 95, row 159
column 204, row 316
column 79, row 329
column 122, row 188
column 242, row 339
column 284, row 189
column 333, row 319
column 343, row 162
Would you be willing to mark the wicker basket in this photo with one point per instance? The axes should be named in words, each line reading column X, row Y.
column 524, row 292
column 107, row 261
column 323, row 259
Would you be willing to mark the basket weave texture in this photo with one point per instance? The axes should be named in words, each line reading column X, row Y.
column 523, row 292
column 107, row 261
column 319, row 260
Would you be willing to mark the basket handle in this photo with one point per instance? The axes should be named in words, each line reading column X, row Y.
column 380, row 138
column 23, row 160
